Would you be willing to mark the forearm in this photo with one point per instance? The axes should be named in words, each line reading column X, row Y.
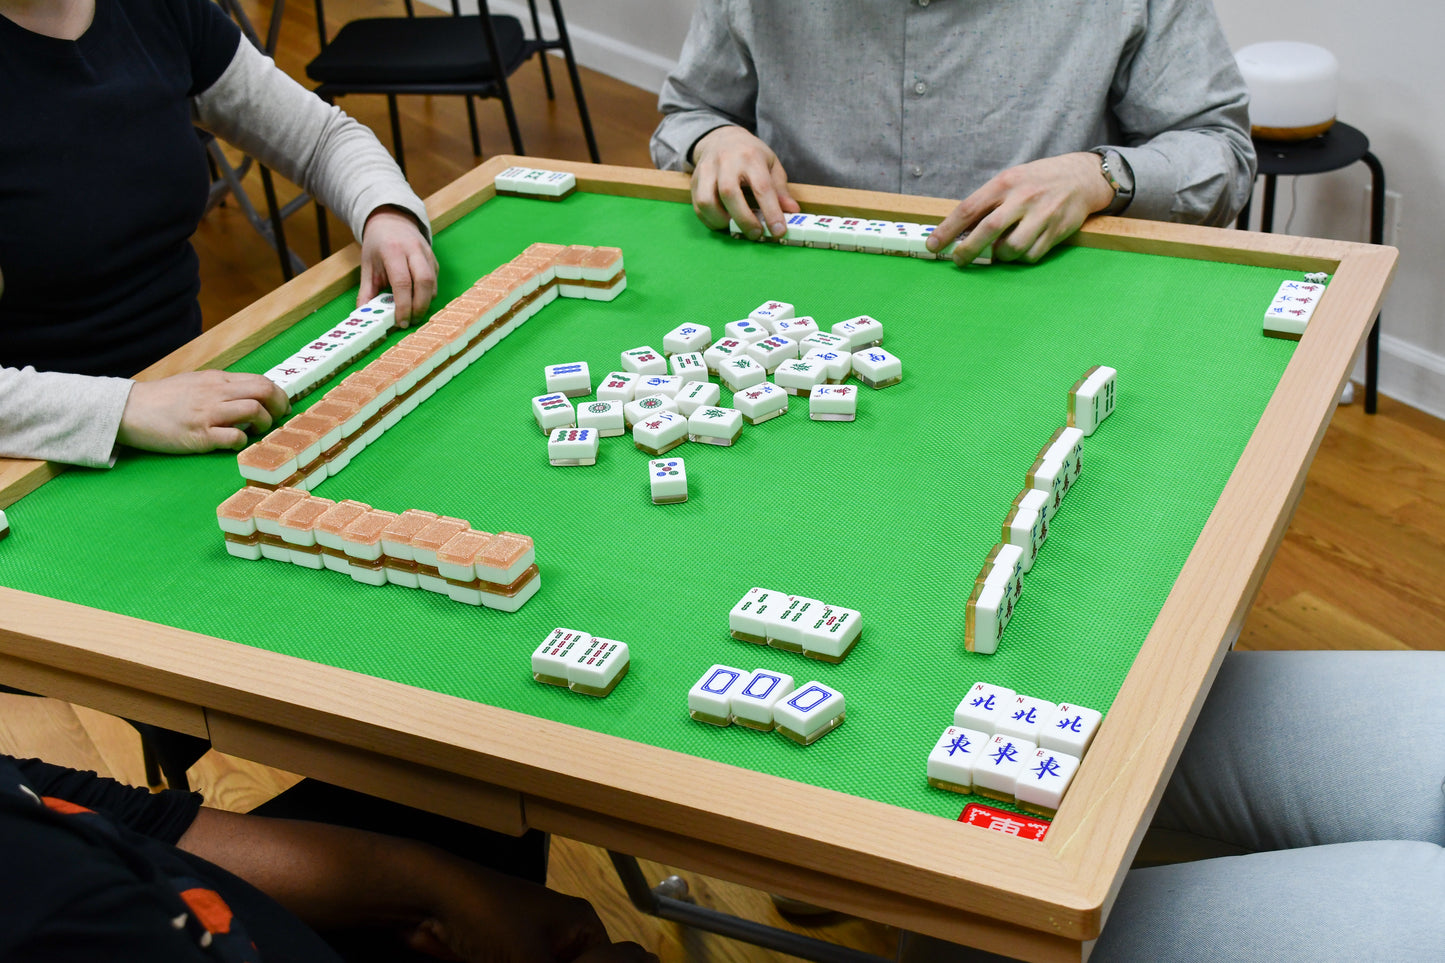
column 60, row 417
column 1193, row 176
column 329, row 876
column 713, row 86
column 330, row 155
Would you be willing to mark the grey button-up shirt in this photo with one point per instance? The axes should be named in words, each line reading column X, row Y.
column 936, row 96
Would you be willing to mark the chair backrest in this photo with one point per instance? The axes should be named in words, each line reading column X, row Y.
column 410, row 12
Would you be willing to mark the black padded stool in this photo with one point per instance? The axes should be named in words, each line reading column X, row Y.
column 1340, row 146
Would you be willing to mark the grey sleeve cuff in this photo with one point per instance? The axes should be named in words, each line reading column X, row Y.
column 675, row 136
column 265, row 113
column 1154, row 189
column 61, row 417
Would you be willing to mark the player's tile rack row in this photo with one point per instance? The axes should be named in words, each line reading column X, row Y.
column 1013, row 748
column 842, row 232
column 321, row 441
column 1058, row 464
column 416, row 549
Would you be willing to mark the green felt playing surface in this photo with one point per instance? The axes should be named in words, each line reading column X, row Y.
column 891, row 515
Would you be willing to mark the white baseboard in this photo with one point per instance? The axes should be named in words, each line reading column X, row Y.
column 627, row 62
column 1410, row 374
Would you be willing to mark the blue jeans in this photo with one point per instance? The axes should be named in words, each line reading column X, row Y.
column 1328, row 769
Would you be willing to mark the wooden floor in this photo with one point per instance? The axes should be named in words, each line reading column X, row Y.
column 1362, row 566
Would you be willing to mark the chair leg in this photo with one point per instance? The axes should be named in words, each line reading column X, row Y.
column 1377, row 236
column 576, row 81
column 323, row 231
column 171, row 752
column 542, row 56
column 278, row 230
column 504, row 92
column 472, row 120
column 395, row 131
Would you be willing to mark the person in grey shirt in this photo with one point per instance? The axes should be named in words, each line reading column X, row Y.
column 1037, row 113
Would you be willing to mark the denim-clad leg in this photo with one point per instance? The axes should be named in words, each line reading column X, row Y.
column 1330, row 765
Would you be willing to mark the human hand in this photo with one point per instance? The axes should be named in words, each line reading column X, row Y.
column 1025, row 210
column 199, row 411
column 395, row 254
column 729, row 161
column 490, row 918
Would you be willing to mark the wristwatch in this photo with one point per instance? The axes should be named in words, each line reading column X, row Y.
column 1117, row 172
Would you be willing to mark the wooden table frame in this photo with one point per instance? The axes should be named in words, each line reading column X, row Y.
column 1044, row 901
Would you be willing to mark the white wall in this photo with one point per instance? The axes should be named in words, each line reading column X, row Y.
column 1391, row 87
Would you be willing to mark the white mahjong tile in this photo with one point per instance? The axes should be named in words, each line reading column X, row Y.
column 1052, row 477
column 551, row 658
column 1006, row 568
column 646, row 406
column 983, row 707
column 618, row 386
column 1286, row 319
column 557, row 183
column 689, row 366
column 597, row 666
column 877, row 368
column 772, row 351
column 769, row 313
column 800, row 229
column 797, row 329
column 508, row 179
column 605, row 417
column 895, row 237
column 644, row 361
column 573, row 446
column 838, row 365
column 986, row 616
column 832, row 632
column 746, row 330
column 664, row 385
column 951, row 763
column 833, row 403
column 687, row 337
column 381, row 308
column 810, row 712
column 761, row 402
column 822, row 340
column 1044, row 778
column 1069, row 728
column 752, row 703
column 553, row 411
column 873, row 235
column 571, row 379
column 799, row 377
column 288, row 377
column 822, row 231
column 862, row 332
column 724, row 350
column 845, row 233
column 1026, row 528
column 916, row 240
column 1023, row 718
column 751, row 616
column 714, row 425
column 785, row 629
column 660, row 432
column 710, row 699
column 742, row 372
column 996, row 772
column 697, row 394
column 1091, row 400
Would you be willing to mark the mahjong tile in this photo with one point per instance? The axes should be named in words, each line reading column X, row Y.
column 687, row 337
column 838, row 365
column 697, row 394
column 833, row 403
column 689, row 366
column 845, row 233
column 750, row 617
column 983, row 707
column 1091, row 400
column 877, row 368
column 1041, row 783
column 747, row 330
column 797, row 329
column 618, row 386
column 739, row 373
column 769, row 313
column 800, row 229
column 798, row 377
column 644, row 361
column 952, row 761
column 832, row 633
column 573, row 446
column 606, row 417
column 552, row 657
column 553, row 411
column 1069, row 728
column 809, row 713
column 646, row 406
column 785, row 628
column 664, row 385
column 571, row 379
column 667, row 479
column 714, row 425
column 710, row 699
column 996, row 772
column 761, row 402
column 986, row 615
column 1023, row 717
column 752, row 703
column 596, row 669
column 772, row 351
column 724, row 350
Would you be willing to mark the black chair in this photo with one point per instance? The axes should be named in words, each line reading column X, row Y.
column 468, row 55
